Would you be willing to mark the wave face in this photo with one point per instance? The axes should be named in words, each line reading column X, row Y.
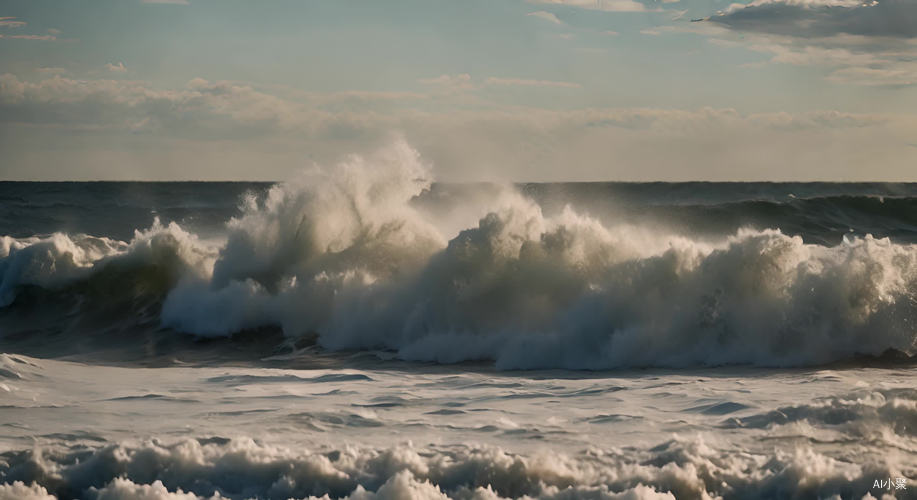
column 370, row 254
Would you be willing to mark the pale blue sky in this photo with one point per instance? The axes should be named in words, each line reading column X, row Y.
column 493, row 89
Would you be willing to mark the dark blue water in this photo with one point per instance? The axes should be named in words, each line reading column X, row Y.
column 819, row 212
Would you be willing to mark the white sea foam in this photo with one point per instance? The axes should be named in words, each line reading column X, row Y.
column 342, row 252
column 18, row 490
column 125, row 489
column 76, row 430
column 529, row 291
column 682, row 468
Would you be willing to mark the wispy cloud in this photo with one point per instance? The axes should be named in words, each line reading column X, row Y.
column 201, row 109
column 29, row 37
column 604, row 5
column 447, row 79
column 855, row 42
column 450, row 83
column 11, row 22
column 547, row 16
column 51, row 70
column 823, row 18
column 528, row 142
column 522, row 82
column 116, row 68
column 464, row 82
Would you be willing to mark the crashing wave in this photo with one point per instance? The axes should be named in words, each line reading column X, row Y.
column 343, row 254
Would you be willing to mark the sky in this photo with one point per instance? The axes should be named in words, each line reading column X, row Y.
column 485, row 90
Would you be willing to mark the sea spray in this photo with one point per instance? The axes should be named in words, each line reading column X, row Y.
column 347, row 255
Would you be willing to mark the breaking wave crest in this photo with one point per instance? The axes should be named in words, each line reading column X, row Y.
column 344, row 255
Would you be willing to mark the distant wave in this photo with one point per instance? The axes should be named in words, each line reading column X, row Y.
column 343, row 255
column 820, row 218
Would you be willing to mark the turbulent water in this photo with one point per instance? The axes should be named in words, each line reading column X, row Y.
column 362, row 331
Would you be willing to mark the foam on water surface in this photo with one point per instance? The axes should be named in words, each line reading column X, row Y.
column 87, row 431
column 362, row 332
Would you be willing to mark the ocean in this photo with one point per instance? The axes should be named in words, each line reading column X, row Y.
column 365, row 332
